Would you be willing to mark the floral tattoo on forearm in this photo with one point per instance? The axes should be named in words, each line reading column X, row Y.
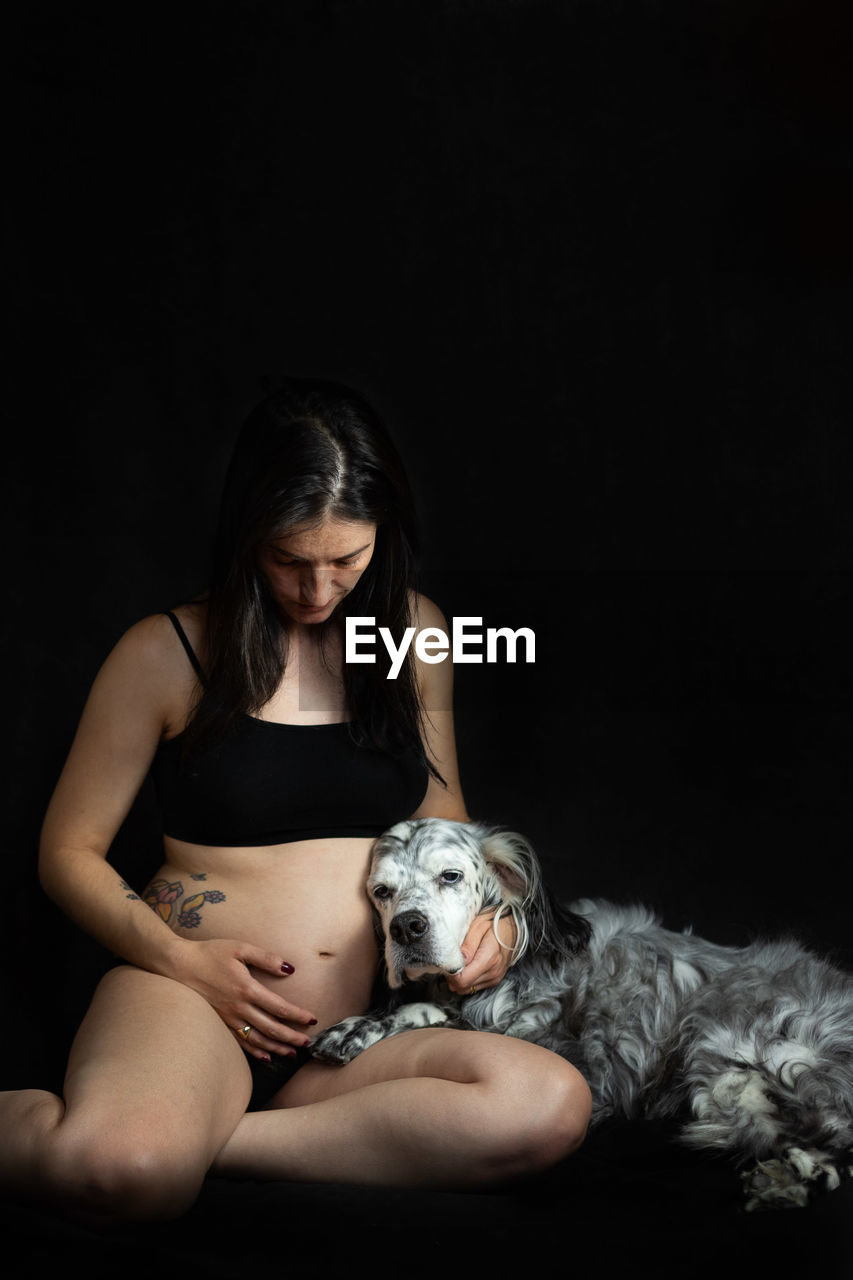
column 163, row 897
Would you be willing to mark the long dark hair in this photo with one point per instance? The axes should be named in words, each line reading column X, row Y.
column 309, row 450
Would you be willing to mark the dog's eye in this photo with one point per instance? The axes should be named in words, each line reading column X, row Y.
column 381, row 891
column 450, row 877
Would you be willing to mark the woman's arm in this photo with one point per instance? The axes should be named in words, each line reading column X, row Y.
column 124, row 718
column 486, row 954
column 132, row 703
column 435, row 681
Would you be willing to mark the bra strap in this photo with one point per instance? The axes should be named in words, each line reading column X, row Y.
column 190, row 652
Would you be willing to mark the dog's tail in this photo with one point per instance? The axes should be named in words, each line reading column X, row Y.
column 542, row 924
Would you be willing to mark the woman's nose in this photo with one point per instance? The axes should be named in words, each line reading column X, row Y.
column 312, row 585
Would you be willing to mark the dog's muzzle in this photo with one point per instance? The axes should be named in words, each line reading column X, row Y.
column 408, row 927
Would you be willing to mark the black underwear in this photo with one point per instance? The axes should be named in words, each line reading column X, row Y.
column 269, row 1077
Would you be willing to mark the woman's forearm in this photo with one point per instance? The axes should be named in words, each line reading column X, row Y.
column 92, row 894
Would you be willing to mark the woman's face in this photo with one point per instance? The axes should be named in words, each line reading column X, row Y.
column 311, row 568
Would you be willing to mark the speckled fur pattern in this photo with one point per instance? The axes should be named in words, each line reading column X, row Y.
column 749, row 1048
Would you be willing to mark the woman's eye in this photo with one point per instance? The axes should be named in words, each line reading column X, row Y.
column 450, row 877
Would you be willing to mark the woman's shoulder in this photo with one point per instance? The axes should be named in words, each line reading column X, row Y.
column 191, row 619
column 425, row 612
column 435, row 677
column 152, row 648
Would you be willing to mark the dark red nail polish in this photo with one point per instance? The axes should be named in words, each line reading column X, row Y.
column 287, row 968
column 312, row 1022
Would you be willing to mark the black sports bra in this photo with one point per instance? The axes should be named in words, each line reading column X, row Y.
column 269, row 783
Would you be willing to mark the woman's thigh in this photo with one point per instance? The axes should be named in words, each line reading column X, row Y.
column 155, row 1084
column 434, row 1107
column 504, row 1064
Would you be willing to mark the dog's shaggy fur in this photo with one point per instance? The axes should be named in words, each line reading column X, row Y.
column 752, row 1046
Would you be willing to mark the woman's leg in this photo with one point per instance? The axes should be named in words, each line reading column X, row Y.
column 435, row 1107
column 155, row 1084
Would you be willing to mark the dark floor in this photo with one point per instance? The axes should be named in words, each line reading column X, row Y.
column 629, row 1202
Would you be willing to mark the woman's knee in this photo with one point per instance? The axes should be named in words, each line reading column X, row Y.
column 528, row 1108
column 122, row 1176
column 544, row 1105
column 562, row 1113
column 144, row 1118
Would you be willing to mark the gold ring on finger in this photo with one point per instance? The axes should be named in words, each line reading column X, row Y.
column 243, row 1032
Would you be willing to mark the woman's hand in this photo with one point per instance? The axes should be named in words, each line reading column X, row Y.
column 219, row 969
column 486, row 961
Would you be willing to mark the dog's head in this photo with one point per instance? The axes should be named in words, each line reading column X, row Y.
column 428, row 880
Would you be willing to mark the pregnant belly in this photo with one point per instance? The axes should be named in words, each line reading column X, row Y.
column 303, row 902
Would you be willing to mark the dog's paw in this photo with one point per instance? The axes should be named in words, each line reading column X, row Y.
column 347, row 1039
column 788, row 1182
column 419, row 1014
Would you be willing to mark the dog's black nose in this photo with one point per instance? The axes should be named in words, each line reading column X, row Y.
column 408, row 927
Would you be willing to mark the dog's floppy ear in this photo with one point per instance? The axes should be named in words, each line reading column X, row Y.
column 513, row 861
column 540, row 921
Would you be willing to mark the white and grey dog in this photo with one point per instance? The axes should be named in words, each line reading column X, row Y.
column 751, row 1047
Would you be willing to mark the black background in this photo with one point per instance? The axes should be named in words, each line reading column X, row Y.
column 592, row 259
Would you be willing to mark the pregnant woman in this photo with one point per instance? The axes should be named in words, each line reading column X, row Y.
column 276, row 765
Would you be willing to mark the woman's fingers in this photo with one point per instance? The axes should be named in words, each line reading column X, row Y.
column 486, row 956
column 279, row 1012
column 276, row 1012
column 262, row 1047
column 221, row 970
column 269, row 1034
column 277, row 1030
column 269, row 1030
column 267, row 961
column 277, row 1024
